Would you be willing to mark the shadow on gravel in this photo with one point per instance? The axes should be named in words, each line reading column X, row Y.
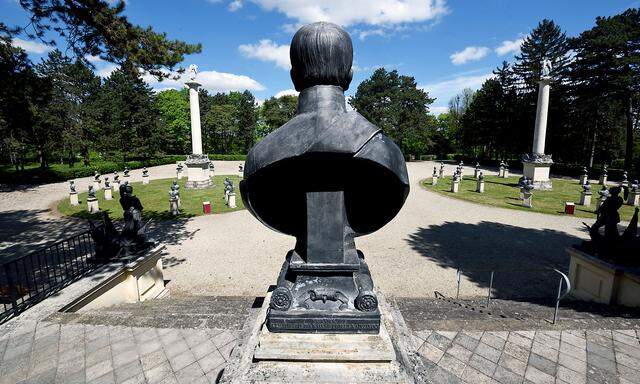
column 522, row 258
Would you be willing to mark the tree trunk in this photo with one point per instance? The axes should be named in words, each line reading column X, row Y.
column 628, row 156
column 593, row 149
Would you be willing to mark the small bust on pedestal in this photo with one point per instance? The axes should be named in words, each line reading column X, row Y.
column 107, row 189
column 634, row 194
column 441, row 174
column 585, row 176
column 126, row 173
column 434, row 177
column 145, row 175
column 116, row 181
column 455, row 182
column 73, row 194
column 585, row 195
column 92, row 200
column 501, row 169
column 603, row 176
column 476, row 171
column 96, row 180
column 480, row 183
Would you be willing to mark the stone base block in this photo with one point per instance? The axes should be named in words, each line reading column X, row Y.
column 145, row 180
column 593, row 279
column 264, row 357
column 116, row 186
column 480, row 187
column 539, row 174
column 455, row 187
column 434, row 180
column 583, row 179
column 92, row 205
column 73, row 198
column 231, row 202
column 585, row 199
column 198, row 173
column 107, row 194
column 174, row 206
column 323, row 347
column 96, row 186
column 633, row 199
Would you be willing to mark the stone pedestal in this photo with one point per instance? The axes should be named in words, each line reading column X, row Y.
column 527, row 199
column 145, row 179
column 603, row 180
column 116, row 186
column 480, row 186
column 583, row 179
column 96, row 185
column 476, row 172
column 633, row 198
column 455, row 185
column 73, row 198
column 231, row 200
column 505, row 173
column 585, row 199
column 263, row 356
column 434, row 180
column 174, row 206
column 538, row 172
column 198, row 172
column 107, row 194
column 593, row 279
column 179, row 174
column 441, row 173
column 92, row 205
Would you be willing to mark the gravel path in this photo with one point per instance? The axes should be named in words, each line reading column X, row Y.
column 414, row 255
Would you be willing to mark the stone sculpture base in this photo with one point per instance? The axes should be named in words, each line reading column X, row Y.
column 322, row 298
column 539, row 174
column 594, row 279
column 107, row 194
column 92, row 205
column 265, row 357
column 73, row 198
column 198, row 172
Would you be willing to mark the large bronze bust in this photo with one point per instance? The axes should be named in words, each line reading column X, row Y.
column 344, row 178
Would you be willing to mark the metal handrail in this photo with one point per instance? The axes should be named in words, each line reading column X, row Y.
column 560, row 295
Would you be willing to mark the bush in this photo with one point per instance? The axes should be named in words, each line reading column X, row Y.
column 59, row 172
column 217, row 156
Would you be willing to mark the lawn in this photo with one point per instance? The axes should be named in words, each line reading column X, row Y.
column 155, row 200
column 504, row 193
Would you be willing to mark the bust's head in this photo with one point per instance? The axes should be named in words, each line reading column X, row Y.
column 321, row 54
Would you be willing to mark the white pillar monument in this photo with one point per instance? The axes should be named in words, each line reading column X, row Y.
column 197, row 163
column 536, row 166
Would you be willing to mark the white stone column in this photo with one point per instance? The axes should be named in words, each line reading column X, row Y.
column 542, row 110
column 194, row 109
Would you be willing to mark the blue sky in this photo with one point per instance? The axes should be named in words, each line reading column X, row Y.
column 446, row 45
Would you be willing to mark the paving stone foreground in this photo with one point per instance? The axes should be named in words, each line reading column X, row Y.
column 48, row 352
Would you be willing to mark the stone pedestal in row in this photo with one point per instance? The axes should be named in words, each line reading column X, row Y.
column 92, row 205
column 73, row 198
column 107, row 194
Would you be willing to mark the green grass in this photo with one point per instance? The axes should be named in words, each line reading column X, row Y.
column 155, row 200
column 504, row 193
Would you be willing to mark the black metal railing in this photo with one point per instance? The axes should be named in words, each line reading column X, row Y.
column 29, row 279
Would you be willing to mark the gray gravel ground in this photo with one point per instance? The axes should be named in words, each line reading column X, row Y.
column 413, row 256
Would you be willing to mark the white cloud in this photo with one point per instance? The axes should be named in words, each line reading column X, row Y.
column 444, row 90
column 509, row 46
column 31, row 46
column 267, row 50
column 468, row 54
column 346, row 13
column 371, row 32
column 286, row 92
column 235, row 5
column 106, row 70
column 93, row 59
column 438, row 110
column 212, row 81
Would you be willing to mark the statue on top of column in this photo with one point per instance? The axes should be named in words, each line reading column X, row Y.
column 193, row 72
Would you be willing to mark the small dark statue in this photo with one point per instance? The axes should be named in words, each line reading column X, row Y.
column 132, row 238
column 333, row 156
column 610, row 245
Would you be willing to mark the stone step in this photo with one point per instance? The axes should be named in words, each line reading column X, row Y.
column 172, row 312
